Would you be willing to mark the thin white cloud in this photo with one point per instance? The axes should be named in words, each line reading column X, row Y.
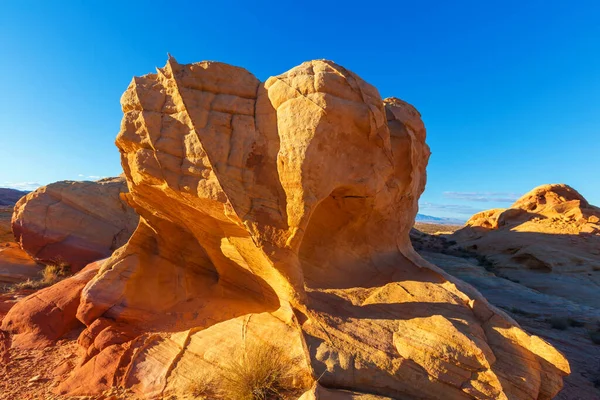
column 484, row 197
column 30, row 186
column 90, row 177
column 25, row 186
column 454, row 208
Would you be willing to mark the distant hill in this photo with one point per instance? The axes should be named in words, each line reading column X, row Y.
column 428, row 219
column 8, row 197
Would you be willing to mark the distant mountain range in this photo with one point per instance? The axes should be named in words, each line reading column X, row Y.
column 438, row 220
column 8, row 197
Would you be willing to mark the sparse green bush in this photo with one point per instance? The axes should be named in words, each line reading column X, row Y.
column 51, row 274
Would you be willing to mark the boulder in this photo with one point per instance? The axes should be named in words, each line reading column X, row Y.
column 536, row 312
column 277, row 214
column 41, row 318
column 74, row 222
column 548, row 240
column 16, row 265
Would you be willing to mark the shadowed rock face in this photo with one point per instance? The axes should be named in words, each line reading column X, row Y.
column 74, row 222
column 279, row 211
column 539, row 260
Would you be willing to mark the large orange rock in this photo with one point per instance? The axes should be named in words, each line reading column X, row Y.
column 46, row 315
column 16, row 265
column 279, row 212
column 318, row 392
column 74, row 222
column 548, row 240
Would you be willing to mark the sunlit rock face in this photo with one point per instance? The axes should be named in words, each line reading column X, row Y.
column 279, row 212
column 548, row 240
column 260, row 188
column 73, row 222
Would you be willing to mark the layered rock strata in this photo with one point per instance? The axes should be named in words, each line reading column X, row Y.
column 279, row 212
column 548, row 240
column 74, row 223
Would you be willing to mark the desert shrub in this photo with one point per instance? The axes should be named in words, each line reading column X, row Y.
column 55, row 272
column 203, row 388
column 559, row 323
column 262, row 372
column 51, row 274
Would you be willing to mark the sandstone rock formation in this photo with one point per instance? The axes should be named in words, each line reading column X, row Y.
column 318, row 392
column 537, row 260
column 279, row 212
column 6, row 234
column 74, row 222
column 549, row 240
column 537, row 312
column 44, row 316
column 15, row 264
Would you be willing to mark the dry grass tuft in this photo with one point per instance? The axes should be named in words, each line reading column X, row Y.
column 202, row 391
column 262, row 372
column 50, row 275
column 204, row 388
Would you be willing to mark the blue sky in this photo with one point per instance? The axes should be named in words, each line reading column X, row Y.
column 509, row 91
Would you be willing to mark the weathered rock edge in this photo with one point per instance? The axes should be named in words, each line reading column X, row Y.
column 279, row 212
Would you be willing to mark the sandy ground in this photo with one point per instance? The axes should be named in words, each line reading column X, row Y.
column 5, row 230
column 436, row 228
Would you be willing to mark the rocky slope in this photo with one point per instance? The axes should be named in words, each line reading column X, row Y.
column 549, row 240
column 538, row 261
column 561, row 321
column 74, row 222
column 6, row 234
column 15, row 264
column 277, row 214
